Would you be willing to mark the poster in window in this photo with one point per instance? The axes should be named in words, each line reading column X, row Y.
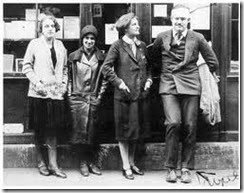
column 156, row 29
column 200, row 16
column 71, row 27
column 111, row 34
column 160, row 11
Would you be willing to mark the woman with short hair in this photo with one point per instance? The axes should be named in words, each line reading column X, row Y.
column 131, row 78
column 45, row 65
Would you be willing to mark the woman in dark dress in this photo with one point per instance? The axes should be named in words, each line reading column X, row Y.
column 85, row 90
column 131, row 78
column 45, row 65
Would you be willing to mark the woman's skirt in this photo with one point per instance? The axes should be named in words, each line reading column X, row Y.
column 46, row 118
column 132, row 119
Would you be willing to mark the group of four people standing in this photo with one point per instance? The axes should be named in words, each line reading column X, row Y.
column 85, row 75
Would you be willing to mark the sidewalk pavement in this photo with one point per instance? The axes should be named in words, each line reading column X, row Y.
column 29, row 178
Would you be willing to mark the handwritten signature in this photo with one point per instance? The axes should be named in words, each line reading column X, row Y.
column 213, row 180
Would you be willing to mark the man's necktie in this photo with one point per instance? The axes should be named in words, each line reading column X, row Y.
column 178, row 37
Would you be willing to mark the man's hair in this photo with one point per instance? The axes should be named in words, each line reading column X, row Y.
column 177, row 6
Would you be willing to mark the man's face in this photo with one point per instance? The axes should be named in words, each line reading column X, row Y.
column 180, row 18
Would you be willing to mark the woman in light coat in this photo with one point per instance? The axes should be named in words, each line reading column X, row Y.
column 45, row 65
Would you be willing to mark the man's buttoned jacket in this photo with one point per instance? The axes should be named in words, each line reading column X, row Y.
column 184, row 80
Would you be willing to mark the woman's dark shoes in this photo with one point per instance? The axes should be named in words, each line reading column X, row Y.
column 128, row 174
column 57, row 172
column 136, row 170
column 94, row 169
column 43, row 169
column 84, row 170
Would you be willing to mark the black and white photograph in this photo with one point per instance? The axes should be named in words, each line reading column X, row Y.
column 19, row 65
column 118, row 95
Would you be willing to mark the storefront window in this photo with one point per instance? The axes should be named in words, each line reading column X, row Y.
column 235, row 62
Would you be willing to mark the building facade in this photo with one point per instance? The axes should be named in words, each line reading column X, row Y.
column 218, row 22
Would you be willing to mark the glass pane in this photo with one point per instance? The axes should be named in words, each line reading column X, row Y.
column 235, row 10
column 60, row 10
column 16, row 11
column 234, row 65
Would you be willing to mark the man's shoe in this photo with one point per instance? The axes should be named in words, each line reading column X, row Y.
column 186, row 176
column 94, row 169
column 136, row 170
column 57, row 172
column 84, row 170
column 171, row 176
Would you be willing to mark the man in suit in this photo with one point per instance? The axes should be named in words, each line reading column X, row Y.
column 176, row 52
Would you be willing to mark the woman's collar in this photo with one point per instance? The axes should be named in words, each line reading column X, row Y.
column 131, row 41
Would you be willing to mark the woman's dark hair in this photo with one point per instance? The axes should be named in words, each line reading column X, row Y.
column 56, row 25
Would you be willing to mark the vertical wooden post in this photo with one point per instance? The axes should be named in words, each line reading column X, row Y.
column 221, row 38
column 85, row 16
column 143, row 11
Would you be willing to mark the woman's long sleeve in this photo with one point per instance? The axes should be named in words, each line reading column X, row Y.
column 108, row 65
column 28, row 65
